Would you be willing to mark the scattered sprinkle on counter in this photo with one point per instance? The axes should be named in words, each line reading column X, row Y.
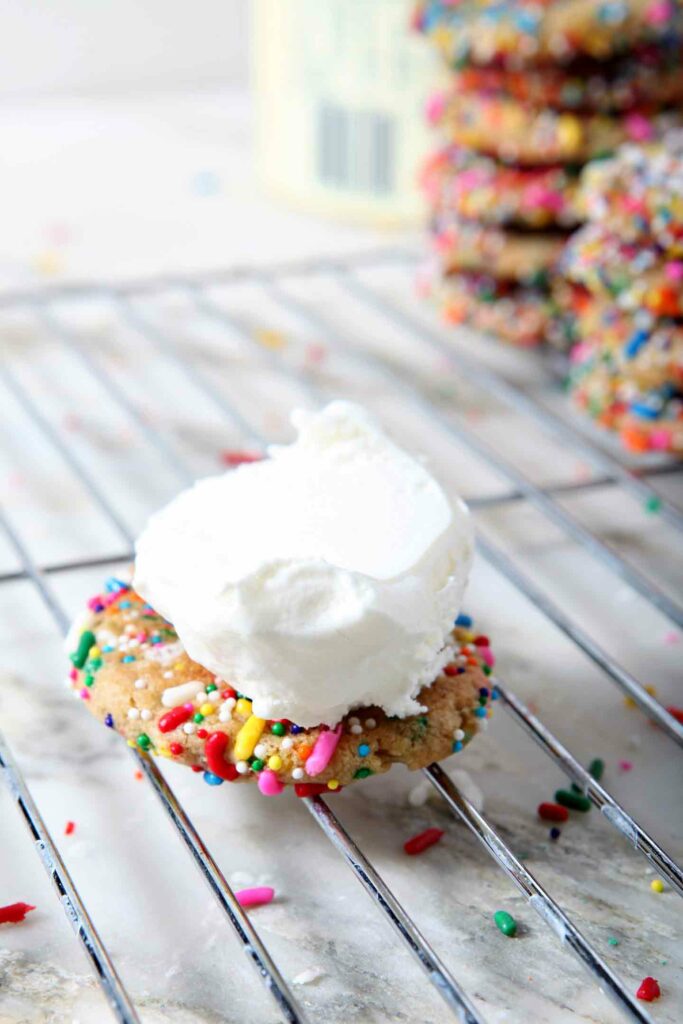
column 575, row 801
column 552, row 812
column 555, row 834
column 612, row 941
column 14, row 913
column 649, row 990
column 259, row 896
column 422, row 841
column 505, row 923
column 69, row 828
column 657, row 885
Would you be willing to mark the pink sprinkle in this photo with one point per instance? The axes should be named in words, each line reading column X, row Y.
column 672, row 639
column 84, row 694
column 94, row 602
column 257, row 897
column 324, row 748
column 487, row 656
column 659, row 12
column 625, row 766
column 435, row 107
column 73, row 675
column 660, row 440
column 269, row 784
column 639, row 127
column 674, row 270
column 235, row 458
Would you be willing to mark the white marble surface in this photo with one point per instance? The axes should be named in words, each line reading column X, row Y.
column 175, row 953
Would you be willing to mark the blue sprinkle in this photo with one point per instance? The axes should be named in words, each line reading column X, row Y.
column 635, row 343
column 213, row 780
column 483, row 691
column 526, row 21
column 612, row 13
column 113, row 585
column 295, row 729
column 457, row 746
column 494, row 694
column 364, row 750
column 646, row 412
column 480, row 712
column 555, row 833
column 108, row 649
column 127, row 657
column 124, row 604
column 461, row 671
column 109, row 721
column 463, row 620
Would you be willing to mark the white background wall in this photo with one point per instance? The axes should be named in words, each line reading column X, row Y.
column 62, row 46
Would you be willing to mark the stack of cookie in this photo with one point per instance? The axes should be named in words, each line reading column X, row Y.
column 535, row 90
column 625, row 292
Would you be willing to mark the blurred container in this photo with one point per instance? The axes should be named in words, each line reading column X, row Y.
column 340, row 90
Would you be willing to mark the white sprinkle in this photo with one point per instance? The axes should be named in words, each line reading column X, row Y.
column 140, row 684
column 229, row 703
column 201, row 696
column 242, row 767
column 169, row 674
column 308, row 976
column 298, row 773
column 459, row 734
column 419, row 794
column 356, row 729
column 370, row 723
column 189, row 728
column 133, row 713
column 287, row 743
column 483, row 724
column 354, row 721
column 173, row 696
column 225, row 714
column 145, row 715
column 260, row 750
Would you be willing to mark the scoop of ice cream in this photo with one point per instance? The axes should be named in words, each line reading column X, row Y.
column 324, row 578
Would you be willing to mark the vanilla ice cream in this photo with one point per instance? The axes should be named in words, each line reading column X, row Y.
column 321, row 579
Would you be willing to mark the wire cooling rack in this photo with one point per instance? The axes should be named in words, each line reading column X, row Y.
column 315, row 351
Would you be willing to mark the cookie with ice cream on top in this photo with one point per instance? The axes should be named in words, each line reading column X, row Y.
column 312, row 597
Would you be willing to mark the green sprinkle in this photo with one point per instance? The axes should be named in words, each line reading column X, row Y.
column 93, row 664
column 575, row 801
column 198, row 717
column 363, row 773
column 487, row 670
column 87, row 640
column 89, row 680
column 257, row 765
column 505, row 923
column 596, row 768
column 211, row 687
column 653, row 504
column 143, row 741
column 278, row 729
column 612, row 941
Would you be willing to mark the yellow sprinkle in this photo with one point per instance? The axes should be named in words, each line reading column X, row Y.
column 94, row 651
column 275, row 762
column 178, row 665
column 629, row 701
column 270, row 338
column 131, row 743
column 467, row 637
column 333, row 784
column 569, row 131
column 248, row 737
column 657, row 885
column 243, row 707
column 206, row 709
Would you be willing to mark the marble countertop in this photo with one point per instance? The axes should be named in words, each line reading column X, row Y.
column 176, row 954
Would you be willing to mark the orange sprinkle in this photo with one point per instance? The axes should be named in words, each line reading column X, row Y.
column 304, row 751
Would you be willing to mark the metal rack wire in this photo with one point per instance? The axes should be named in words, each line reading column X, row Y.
column 545, row 499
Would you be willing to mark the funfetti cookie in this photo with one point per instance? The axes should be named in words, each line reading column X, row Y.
column 649, row 78
column 476, row 187
column 636, row 275
column 518, row 315
column 638, row 193
column 291, row 622
column 523, row 257
column 523, row 33
column 519, row 133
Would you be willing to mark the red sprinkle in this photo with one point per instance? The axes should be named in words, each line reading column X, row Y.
column 552, row 812
column 235, row 458
column 172, row 719
column 422, row 842
column 228, row 692
column 176, row 748
column 214, row 748
column 649, row 990
column 450, row 670
column 314, row 789
column 197, row 768
column 677, row 713
column 481, row 641
column 13, row 913
column 69, row 828
column 202, row 734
